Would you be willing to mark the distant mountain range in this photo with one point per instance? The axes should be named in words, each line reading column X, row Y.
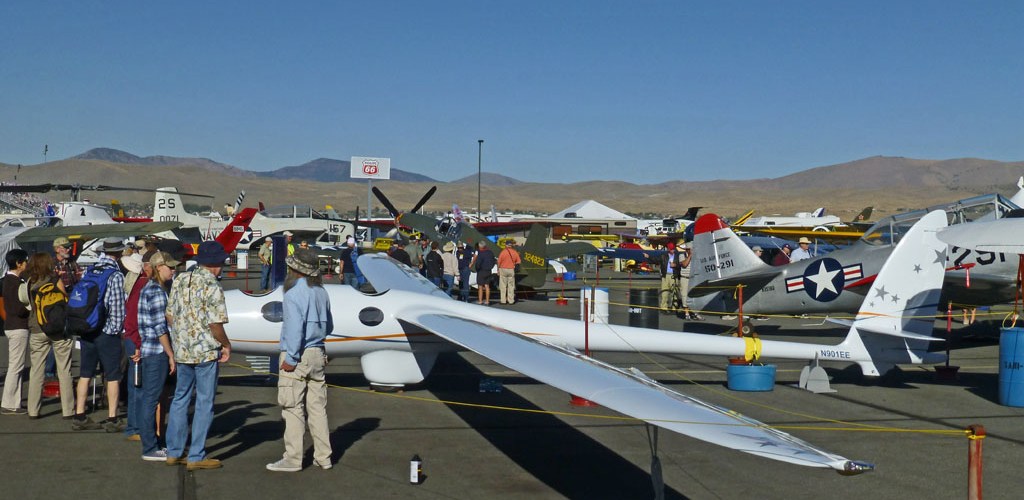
column 318, row 170
column 890, row 184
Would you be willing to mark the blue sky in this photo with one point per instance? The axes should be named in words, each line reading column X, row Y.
column 560, row 91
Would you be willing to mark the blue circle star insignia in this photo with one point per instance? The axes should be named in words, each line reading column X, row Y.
column 824, row 280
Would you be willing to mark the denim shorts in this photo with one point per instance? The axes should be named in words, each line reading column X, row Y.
column 108, row 349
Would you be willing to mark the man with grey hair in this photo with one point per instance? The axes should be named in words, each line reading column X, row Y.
column 301, row 388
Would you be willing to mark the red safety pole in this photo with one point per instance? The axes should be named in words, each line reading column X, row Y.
column 975, row 435
column 574, row 399
column 739, row 315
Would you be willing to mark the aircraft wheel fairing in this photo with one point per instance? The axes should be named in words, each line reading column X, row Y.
column 397, row 368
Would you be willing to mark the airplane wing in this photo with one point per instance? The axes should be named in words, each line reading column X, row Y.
column 625, row 392
column 1000, row 236
column 557, row 250
column 37, row 234
column 796, row 232
column 490, row 228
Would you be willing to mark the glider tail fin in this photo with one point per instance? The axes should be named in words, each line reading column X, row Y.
column 718, row 252
column 895, row 322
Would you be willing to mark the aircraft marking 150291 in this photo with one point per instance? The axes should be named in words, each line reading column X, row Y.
column 958, row 255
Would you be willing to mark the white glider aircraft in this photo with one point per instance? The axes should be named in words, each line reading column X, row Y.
column 398, row 332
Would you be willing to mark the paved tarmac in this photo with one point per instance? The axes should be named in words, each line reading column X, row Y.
column 475, row 452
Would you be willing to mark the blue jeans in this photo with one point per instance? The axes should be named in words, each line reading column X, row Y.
column 265, row 277
column 134, row 401
column 464, row 277
column 201, row 379
column 351, row 280
column 449, row 283
column 154, row 374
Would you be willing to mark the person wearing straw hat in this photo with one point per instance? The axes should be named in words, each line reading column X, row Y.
column 301, row 388
column 803, row 252
column 196, row 314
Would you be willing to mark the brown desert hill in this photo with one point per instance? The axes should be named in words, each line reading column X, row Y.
column 889, row 184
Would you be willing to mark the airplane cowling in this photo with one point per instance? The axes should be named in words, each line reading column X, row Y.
column 397, row 368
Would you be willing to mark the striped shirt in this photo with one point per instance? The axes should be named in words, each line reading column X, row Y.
column 152, row 318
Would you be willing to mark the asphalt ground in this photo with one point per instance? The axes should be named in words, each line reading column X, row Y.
column 908, row 423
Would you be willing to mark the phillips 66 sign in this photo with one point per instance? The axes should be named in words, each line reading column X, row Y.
column 370, row 168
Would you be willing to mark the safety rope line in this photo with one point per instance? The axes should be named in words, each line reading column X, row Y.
column 620, row 418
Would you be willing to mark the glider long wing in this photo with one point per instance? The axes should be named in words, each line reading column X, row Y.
column 627, row 393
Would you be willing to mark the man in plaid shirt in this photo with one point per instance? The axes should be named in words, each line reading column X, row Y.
column 106, row 347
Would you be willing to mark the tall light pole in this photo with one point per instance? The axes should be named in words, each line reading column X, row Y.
column 479, row 174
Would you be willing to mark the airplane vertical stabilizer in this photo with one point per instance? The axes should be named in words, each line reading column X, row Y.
column 167, row 205
column 718, row 252
column 535, row 261
column 895, row 322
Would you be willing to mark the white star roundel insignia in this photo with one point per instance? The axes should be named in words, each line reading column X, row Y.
column 824, row 280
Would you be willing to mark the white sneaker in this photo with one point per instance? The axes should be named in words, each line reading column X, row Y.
column 283, row 466
column 325, row 465
column 728, row 317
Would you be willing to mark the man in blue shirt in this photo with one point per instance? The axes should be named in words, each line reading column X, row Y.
column 301, row 390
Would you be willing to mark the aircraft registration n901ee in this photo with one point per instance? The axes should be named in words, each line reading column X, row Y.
column 398, row 332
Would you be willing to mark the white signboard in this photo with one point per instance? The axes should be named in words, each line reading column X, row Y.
column 370, row 168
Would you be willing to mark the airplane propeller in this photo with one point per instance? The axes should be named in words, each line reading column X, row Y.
column 391, row 207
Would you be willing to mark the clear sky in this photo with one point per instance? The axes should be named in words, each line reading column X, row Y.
column 560, row 91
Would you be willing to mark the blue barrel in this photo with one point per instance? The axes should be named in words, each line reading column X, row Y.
column 1011, row 367
column 750, row 378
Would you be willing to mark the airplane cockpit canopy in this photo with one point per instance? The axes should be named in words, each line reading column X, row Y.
column 890, row 230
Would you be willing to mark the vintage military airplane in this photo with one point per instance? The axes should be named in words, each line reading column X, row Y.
column 822, row 227
column 839, row 281
column 398, row 331
column 167, row 206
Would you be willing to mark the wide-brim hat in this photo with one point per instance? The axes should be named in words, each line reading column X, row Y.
column 449, row 247
column 113, row 244
column 304, row 261
column 211, row 253
column 132, row 263
column 804, row 239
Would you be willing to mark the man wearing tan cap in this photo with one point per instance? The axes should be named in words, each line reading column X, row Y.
column 64, row 267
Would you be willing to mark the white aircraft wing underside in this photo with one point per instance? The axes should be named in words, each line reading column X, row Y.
column 624, row 392
column 1000, row 236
